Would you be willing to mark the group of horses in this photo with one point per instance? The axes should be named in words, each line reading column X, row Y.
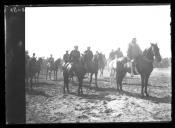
column 117, row 68
column 34, row 69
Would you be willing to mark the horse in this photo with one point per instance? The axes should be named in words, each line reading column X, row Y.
column 112, row 67
column 56, row 67
column 38, row 68
column 49, row 68
column 73, row 68
column 32, row 71
column 102, row 63
column 144, row 65
column 92, row 67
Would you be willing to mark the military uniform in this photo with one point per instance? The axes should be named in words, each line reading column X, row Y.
column 88, row 55
column 33, row 61
column 51, row 60
column 66, row 57
column 74, row 56
column 133, row 52
column 119, row 54
column 112, row 55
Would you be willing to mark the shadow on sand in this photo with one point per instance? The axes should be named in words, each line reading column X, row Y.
column 37, row 92
column 92, row 96
column 43, row 83
column 166, row 99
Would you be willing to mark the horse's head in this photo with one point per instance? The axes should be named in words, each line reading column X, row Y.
column 156, row 52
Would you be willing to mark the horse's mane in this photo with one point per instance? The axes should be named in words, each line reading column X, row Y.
column 147, row 54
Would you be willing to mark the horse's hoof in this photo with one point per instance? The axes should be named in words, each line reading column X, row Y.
column 147, row 95
column 142, row 95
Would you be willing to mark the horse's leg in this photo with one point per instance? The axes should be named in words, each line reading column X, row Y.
column 146, row 84
column 64, row 77
column 35, row 78
column 46, row 73
column 66, row 80
column 50, row 74
column 96, row 74
column 31, row 83
column 110, row 76
column 56, row 74
column 67, row 85
column 80, row 91
column 38, row 77
column 90, row 79
column 142, row 82
column 117, row 80
column 121, row 80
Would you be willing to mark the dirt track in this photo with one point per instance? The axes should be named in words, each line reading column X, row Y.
column 48, row 104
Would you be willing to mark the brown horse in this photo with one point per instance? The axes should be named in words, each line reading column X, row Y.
column 144, row 65
column 73, row 68
column 92, row 67
column 32, row 71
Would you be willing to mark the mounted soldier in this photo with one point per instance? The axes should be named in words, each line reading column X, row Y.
column 66, row 57
column 96, row 56
column 75, row 55
column 33, row 60
column 133, row 52
column 51, row 59
column 27, row 57
column 88, row 57
column 112, row 55
column 119, row 53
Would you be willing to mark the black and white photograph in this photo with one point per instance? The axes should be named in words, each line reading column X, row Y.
column 91, row 64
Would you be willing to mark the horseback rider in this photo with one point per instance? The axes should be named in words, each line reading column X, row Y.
column 51, row 59
column 75, row 55
column 96, row 55
column 133, row 52
column 112, row 55
column 33, row 59
column 88, row 56
column 119, row 53
column 27, row 57
column 66, row 57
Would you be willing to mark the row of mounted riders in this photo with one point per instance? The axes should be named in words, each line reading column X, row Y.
column 143, row 63
column 34, row 67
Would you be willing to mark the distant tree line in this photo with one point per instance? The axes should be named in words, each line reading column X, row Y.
column 165, row 63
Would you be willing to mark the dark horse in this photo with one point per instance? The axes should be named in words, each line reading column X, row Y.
column 32, row 70
column 144, row 65
column 56, row 67
column 93, row 67
column 73, row 68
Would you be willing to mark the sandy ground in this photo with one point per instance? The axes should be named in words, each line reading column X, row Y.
column 48, row 104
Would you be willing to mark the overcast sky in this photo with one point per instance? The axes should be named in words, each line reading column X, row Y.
column 53, row 30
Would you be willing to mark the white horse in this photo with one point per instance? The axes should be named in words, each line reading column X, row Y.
column 112, row 64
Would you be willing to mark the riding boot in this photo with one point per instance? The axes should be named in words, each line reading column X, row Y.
column 132, row 73
column 136, row 70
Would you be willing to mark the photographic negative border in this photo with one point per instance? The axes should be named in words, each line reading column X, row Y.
column 14, row 19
